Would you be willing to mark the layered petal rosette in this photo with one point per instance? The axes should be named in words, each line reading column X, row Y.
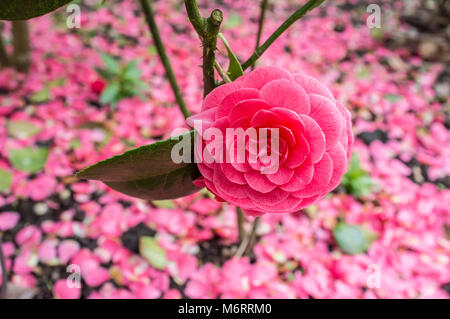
column 313, row 133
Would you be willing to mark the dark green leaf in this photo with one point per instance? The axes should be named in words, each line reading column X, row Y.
column 29, row 159
column 234, row 68
column 175, row 184
column 147, row 172
column 27, row 9
column 353, row 239
column 5, row 180
column 155, row 254
column 105, row 74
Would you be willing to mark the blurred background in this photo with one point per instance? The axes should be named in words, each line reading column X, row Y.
column 85, row 83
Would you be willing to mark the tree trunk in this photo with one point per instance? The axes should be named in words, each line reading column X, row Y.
column 21, row 43
column 4, row 60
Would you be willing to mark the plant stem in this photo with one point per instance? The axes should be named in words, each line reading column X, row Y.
column 194, row 16
column 223, row 74
column 207, row 30
column 252, row 236
column 4, row 287
column 248, row 242
column 150, row 19
column 4, row 60
column 310, row 5
column 209, row 49
column 21, row 43
column 264, row 5
column 240, row 223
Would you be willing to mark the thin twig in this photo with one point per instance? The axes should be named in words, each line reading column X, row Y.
column 150, row 19
column 223, row 74
column 248, row 242
column 240, row 223
column 252, row 236
column 262, row 16
column 286, row 24
column 4, row 287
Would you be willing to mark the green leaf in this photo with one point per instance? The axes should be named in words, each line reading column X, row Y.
column 377, row 34
column 105, row 74
column 29, row 159
column 112, row 66
column 178, row 183
column 393, row 97
column 234, row 68
column 164, row 204
column 148, row 172
column 233, row 21
column 21, row 129
column 27, row 9
column 356, row 180
column 110, row 94
column 353, row 239
column 131, row 71
column 150, row 250
column 5, row 180
column 41, row 96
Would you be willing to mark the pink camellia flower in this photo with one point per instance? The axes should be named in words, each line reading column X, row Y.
column 314, row 141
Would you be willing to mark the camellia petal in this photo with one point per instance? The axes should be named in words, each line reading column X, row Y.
column 246, row 109
column 234, row 98
column 312, row 86
column 286, row 94
column 315, row 138
column 329, row 118
column 322, row 176
column 260, row 77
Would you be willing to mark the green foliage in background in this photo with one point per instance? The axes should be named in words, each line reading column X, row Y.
column 357, row 181
column 123, row 80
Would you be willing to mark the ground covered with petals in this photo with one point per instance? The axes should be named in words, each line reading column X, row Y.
column 52, row 123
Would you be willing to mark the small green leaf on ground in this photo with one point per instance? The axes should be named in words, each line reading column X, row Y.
column 164, row 203
column 353, row 239
column 393, row 97
column 29, row 159
column 21, row 129
column 5, row 180
column 41, row 96
column 150, row 250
